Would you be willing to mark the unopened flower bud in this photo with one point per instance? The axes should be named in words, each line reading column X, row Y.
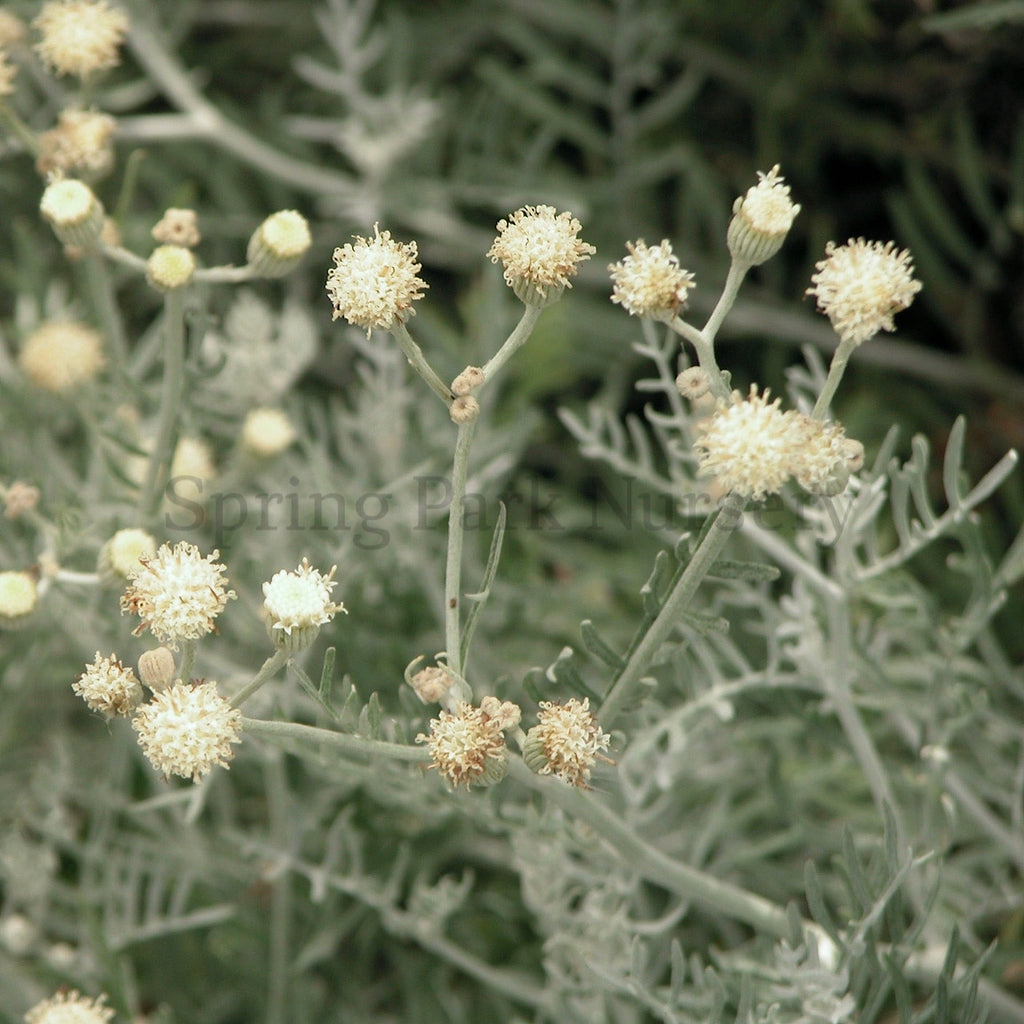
column 464, row 409
column 177, row 227
column 18, row 596
column 471, row 378
column 73, row 211
column 267, row 432
column 157, row 669
column 432, row 683
column 693, row 383
column 278, row 244
column 170, row 267
column 121, row 554
column 761, row 220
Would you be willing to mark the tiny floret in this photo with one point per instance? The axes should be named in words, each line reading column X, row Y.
column 649, row 281
column 170, row 267
column 278, row 244
column 61, row 355
column 73, row 211
column 188, row 729
column 177, row 227
column 374, row 281
column 297, row 603
column 109, row 687
column 18, row 596
column 70, row 1007
column 80, row 37
column 468, row 746
column 566, row 741
column 750, row 444
column 860, row 286
column 177, row 593
column 761, row 219
column 540, row 252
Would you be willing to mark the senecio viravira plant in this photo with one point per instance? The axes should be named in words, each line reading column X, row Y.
column 763, row 802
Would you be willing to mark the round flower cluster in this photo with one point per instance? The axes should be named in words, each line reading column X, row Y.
column 61, row 354
column 752, row 448
column 649, row 281
column 540, row 252
column 278, row 244
column 121, row 554
column 81, row 145
column 177, row 593
column 188, row 729
column 566, row 741
column 296, row 604
column 109, row 687
column 374, row 281
column 468, row 746
column 18, row 596
column 860, row 286
column 80, row 37
column 70, row 1007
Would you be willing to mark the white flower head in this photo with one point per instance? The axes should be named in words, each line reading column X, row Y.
column 649, row 281
column 70, row 1007
column 374, row 281
column 61, row 355
column 468, row 745
column 80, row 37
column 19, row 594
column 188, row 729
column 826, row 458
column 860, row 286
column 566, row 741
column 540, row 252
column 297, row 603
column 267, row 432
column 109, row 687
column 177, row 593
column 121, row 554
column 81, row 145
column 749, row 444
column 761, row 219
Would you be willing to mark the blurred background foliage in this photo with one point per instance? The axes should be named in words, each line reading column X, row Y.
column 646, row 118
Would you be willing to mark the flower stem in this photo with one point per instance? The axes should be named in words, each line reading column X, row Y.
column 346, row 743
column 513, row 342
column 269, row 667
column 654, row 865
column 170, row 402
column 419, row 363
column 628, row 681
column 453, row 563
column 836, row 369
